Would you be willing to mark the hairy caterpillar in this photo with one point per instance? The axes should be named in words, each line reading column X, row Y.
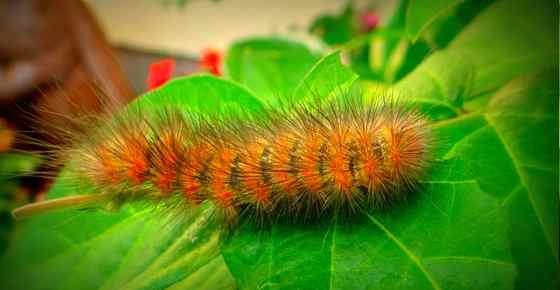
column 343, row 155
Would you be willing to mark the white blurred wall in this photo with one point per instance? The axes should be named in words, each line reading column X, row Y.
column 153, row 25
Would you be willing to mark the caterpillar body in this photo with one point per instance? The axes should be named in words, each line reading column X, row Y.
column 305, row 161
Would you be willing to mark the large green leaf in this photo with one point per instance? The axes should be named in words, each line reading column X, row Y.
column 136, row 247
column 458, row 232
column 524, row 116
column 270, row 68
column 201, row 94
column 131, row 249
column 509, row 39
column 491, row 50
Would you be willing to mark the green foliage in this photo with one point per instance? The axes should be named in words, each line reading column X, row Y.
column 383, row 54
column 421, row 13
column 486, row 217
column 502, row 47
column 325, row 78
column 16, row 164
column 335, row 29
column 13, row 166
column 440, row 84
column 270, row 68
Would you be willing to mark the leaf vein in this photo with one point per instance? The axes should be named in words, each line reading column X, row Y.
column 409, row 253
column 523, row 180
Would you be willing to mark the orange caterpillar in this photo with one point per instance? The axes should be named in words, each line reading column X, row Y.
column 343, row 155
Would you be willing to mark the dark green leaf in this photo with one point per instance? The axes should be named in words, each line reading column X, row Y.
column 270, row 68
column 458, row 232
column 440, row 83
column 449, row 24
column 421, row 13
column 509, row 39
column 335, row 29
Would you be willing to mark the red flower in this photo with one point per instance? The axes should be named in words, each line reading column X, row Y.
column 211, row 61
column 160, row 72
column 369, row 20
